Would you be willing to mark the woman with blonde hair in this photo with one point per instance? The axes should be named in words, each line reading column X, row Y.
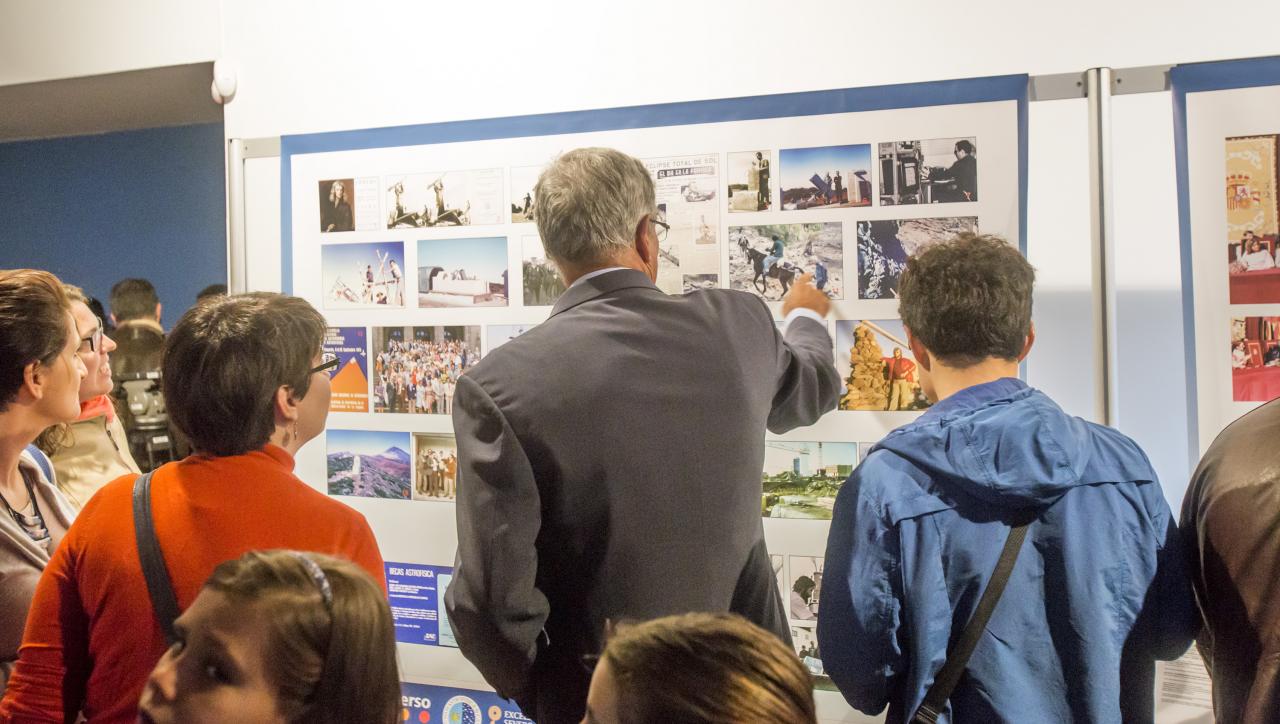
column 699, row 668
column 280, row 636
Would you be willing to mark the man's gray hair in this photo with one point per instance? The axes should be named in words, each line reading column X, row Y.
column 589, row 202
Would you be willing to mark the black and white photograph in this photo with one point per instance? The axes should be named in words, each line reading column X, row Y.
column 337, row 204
column 806, row 587
column 497, row 335
column 804, row 636
column 766, row 260
column 543, row 284
column 885, row 246
column 686, row 188
column 826, row 177
column 416, row 369
column 446, row 198
column 933, row 171
column 462, row 273
column 523, row 179
column 435, row 467
column 749, row 186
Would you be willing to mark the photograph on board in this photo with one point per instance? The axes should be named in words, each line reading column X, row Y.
column 826, row 177
column 497, row 335
column 804, row 636
column 368, row 464
column 805, row 587
column 1255, row 359
column 349, row 382
column 748, row 173
column 543, row 284
column 934, row 171
column 363, row 276
column 801, row 479
column 885, row 246
column 877, row 366
column 686, row 188
column 445, row 198
column 1253, row 219
column 337, row 199
column 435, row 467
column 416, row 369
column 523, row 179
column 765, row 260
column 462, row 272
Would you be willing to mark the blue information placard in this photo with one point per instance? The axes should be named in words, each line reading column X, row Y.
column 416, row 595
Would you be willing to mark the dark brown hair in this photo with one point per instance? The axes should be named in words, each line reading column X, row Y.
column 968, row 299
column 59, row 437
column 133, row 299
column 33, row 325
column 224, row 361
column 329, row 662
column 726, row 669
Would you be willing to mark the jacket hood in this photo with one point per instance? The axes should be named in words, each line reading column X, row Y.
column 1011, row 446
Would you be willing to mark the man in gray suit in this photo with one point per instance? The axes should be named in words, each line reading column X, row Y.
column 609, row 459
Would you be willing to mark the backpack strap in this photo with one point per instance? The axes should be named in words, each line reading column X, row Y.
column 42, row 461
column 159, row 587
column 935, row 699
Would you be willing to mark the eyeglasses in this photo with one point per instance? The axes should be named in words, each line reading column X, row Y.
column 95, row 339
column 328, row 363
column 661, row 227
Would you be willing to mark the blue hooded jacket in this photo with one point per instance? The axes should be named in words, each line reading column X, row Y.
column 915, row 535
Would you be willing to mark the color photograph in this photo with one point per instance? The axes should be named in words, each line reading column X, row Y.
column 462, row 272
column 543, row 284
column 363, row 276
column 368, row 464
column 1253, row 219
column 749, row 188
column 801, row 479
column 826, row 177
column 934, row 171
column 1255, row 359
column 446, row 198
column 804, row 636
column 877, row 366
column 765, row 260
column 349, row 382
column 885, row 246
column 337, row 201
column 523, row 179
column 435, row 467
column 416, row 369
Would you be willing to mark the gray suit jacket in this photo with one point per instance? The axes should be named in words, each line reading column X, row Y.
column 609, row 469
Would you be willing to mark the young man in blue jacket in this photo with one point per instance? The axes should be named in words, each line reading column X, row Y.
column 1099, row 591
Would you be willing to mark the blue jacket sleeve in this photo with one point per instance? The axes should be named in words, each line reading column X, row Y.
column 859, row 623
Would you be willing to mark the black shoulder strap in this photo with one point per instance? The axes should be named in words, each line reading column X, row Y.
column 163, row 600
column 935, row 699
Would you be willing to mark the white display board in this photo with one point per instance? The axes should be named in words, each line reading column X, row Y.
column 419, row 243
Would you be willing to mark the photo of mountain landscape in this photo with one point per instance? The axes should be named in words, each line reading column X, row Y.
column 368, row 464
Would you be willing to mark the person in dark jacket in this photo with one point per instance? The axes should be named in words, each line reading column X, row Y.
column 1100, row 589
column 1231, row 523
column 139, row 338
column 960, row 181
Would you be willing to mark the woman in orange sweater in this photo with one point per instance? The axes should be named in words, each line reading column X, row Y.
column 245, row 381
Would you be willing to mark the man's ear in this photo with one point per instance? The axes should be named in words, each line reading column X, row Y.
column 286, row 408
column 1031, row 340
column 918, row 350
column 158, row 310
column 646, row 244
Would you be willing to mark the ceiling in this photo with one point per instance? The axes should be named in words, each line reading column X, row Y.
column 170, row 96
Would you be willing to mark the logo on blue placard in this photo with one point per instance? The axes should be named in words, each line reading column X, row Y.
column 461, row 710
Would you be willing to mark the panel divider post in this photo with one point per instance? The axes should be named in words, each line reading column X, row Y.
column 1098, row 89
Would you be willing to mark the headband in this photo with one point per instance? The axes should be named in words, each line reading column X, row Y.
column 317, row 575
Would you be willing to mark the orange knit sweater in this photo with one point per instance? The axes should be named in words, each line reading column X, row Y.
column 92, row 637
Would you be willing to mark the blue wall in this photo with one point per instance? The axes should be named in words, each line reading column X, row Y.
column 97, row 209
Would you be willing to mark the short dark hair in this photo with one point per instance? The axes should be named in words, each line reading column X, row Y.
column 965, row 145
column 224, row 361
column 968, row 299
column 729, row 670
column 212, row 290
column 33, row 325
column 133, row 299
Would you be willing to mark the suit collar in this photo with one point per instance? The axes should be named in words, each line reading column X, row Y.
column 591, row 288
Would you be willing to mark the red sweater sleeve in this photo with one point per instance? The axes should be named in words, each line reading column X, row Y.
column 49, row 680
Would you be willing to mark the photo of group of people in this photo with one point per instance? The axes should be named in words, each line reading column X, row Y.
column 877, row 366
column 444, row 198
column 1253, row 219
column 416, row 369
column 885, row 246
column 801, row 479
column 765, row 260
column 933, row 171
column 470, row 272
column 363, row 276
column 800, row 583
column 543, row 284
column 826, row 177
column 1255, row 359
column 435, row 467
